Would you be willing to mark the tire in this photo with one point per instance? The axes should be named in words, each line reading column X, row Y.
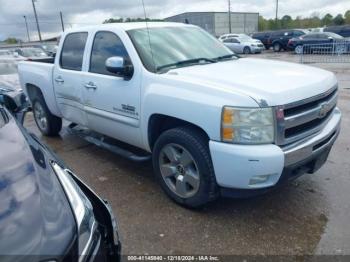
column 299, row 49
column 340, row 50
column 277, row 47
column 48, row 124
column 172, row 155
column 246, row 50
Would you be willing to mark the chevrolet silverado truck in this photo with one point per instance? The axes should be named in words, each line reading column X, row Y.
column 215, row 124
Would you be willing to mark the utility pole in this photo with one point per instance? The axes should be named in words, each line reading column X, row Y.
column 276, row 13
column 36, row 19
column 25, row 20
column 229, row 16
column 62, row 21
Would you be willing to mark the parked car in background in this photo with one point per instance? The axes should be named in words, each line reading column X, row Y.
column 214, row 124
column 32, row 53
column 243, row 44
column 279, row 39
column 225, row 36
column 11, row 90
column 343, row 30
column 10, row 55
column 46, row 212
column 263, row 37
column 49, row 48
column 324, row 42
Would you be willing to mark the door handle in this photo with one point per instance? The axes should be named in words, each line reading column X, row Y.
column 59, row 79
column 90, row 85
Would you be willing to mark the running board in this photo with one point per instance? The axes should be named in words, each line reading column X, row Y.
column 100, row 141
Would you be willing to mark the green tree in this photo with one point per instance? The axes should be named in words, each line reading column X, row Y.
column 129, row 19
column 327, row 20
column 11, row 40
column 263, row 24
column 347, row 17
column 286, row 21
column 339, row 20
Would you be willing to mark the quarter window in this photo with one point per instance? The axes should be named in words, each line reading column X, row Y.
column 106, row 45
column 73, row 51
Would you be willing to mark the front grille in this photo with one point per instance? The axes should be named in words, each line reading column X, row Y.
column 304, row 118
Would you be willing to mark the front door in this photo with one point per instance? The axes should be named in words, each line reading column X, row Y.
column 68, row 78
column 112, row 104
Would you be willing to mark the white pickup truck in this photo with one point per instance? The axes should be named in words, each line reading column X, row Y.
column 215, row 124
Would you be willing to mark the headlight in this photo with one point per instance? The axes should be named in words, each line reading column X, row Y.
column 247, row 125
column 82, row 210
column 254, row 45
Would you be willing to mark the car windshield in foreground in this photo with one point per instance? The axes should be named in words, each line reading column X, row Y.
column 176, row 46
column 8, row 68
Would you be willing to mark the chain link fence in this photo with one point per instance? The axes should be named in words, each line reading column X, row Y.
column 335, row 52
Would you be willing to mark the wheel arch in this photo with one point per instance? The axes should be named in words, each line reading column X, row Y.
column 158, row 123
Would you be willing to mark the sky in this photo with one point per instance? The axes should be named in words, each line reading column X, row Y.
column 78, row 13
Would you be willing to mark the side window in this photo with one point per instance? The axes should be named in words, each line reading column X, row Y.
column 73, row 51
column 234, row 40
column 106, row 45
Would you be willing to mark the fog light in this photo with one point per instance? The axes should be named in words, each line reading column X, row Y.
column 259, row 179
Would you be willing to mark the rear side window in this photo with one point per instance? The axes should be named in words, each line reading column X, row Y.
column 106, row 45
column 73, row 51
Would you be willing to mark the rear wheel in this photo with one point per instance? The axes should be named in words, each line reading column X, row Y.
column 183, row 167
column 48, row 124
column 277, row 47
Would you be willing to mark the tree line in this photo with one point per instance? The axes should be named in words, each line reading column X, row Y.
column 315, row 20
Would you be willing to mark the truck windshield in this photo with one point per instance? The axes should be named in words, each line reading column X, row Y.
column 163, row 48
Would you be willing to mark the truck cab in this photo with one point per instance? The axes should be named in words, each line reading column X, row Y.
column 215, row 124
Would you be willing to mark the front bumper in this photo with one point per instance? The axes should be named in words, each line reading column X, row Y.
column 256, row 49
column 241, row 166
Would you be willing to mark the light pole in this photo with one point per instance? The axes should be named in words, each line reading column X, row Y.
column 276, row 13
column 62, row 21
column 229, row 16
column 36, row 19
column 25, row 20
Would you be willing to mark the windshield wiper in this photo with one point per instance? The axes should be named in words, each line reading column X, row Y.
column 224, row 57
column 187, row 62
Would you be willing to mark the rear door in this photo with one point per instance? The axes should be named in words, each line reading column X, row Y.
column 112, row 104
column 68, row 78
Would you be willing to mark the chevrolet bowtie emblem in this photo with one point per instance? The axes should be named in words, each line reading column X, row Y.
column 325, row 107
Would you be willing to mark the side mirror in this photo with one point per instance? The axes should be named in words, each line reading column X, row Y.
column 120, row 67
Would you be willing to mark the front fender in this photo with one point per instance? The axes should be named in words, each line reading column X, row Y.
column 199, row 105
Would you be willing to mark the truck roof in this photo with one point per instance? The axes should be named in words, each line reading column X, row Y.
column 128, row 26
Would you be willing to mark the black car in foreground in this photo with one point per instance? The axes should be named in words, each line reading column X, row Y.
column 325, row 42
column 46, row 212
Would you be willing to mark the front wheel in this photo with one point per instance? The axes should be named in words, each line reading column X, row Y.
column 183, row 167
column 246, row 50
column 48, row 124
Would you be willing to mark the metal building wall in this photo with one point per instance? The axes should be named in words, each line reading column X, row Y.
column 240, row 23
column 217, row 23
column 203, row 20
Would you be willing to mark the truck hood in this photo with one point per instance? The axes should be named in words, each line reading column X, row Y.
column 268, row 82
